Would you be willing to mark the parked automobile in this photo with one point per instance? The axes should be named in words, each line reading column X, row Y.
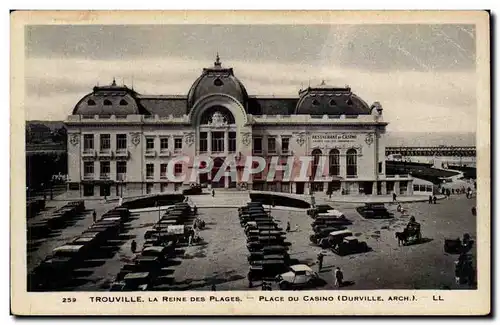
column 350, row 245
column 193, row 190
column 300, row 276
column 374, row 211
column 334, row 238
column 320, row 233
column 320, row 208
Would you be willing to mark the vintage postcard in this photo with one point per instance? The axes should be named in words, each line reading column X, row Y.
column 250, row 163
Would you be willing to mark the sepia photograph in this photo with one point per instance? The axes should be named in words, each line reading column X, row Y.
column 334, row 159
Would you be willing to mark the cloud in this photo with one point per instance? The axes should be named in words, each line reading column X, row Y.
column 411, row 99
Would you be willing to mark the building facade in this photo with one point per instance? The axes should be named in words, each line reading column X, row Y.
column 122, row 143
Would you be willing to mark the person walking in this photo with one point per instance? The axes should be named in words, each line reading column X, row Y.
column 94, row 216
column 434, row 199
column 430, row 199
column 339, row 277
column 213, row 192
column 394, row 197
column 133, row 246
column 288, row 226
column 320, row 257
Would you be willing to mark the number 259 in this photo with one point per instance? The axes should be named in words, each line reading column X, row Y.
column 68, row 299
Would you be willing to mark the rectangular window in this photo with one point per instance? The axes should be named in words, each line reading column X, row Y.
column 163, row 144
column 121, row 170
column 285, row 145
column 178, row 168
column 88, row 142
column 257, row 145
column 415, row 187
column 271, row 145
column 163, row 171
column 217, row 141
column 149, row 188
column 105, row 169
column 177, row 186
column 121, row 142
column 150, row 144
column 88, row 169
column 232, row 141
column 164, row 187
column 380, row 167
column 150, row 171
column 203, row 141
column 105, row 142
column 178, row 144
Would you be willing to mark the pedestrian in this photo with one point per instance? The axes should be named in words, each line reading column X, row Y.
column 288, row 226
column 394, row 197
column 133, row 246
column 473, row 210
column 339, row 277
column 190, row 239
column 94, row 216
column 320, row 261
column 453, row 191
column 399, row 208
column 213, row 192
column 330, row 195
column 430, row 199
column 434, row 199
column 443, row 190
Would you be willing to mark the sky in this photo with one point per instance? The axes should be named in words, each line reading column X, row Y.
column 423, row 75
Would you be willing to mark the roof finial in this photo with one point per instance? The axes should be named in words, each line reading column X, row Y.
column 217, row 62
column 114, row 82
column 323, row 82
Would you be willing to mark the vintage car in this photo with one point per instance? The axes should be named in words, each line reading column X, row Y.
column 374, row 211
column 323, row 228
column 457, row 246
column 266, row 239
column 300, row 276
column 260, row 256
column 258, row 246
column 330, row 219
column 334, row 238
column 266, row 270
column 320, row 208
column 323, row 232
column 133, row 282
column 350, row 245
column 193, row 190
column 161, row 251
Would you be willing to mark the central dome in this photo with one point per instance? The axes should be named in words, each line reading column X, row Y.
column 216, row 80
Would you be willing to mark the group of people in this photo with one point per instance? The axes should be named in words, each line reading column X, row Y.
column 339, row 275
column 432, row 199
column 447, row 192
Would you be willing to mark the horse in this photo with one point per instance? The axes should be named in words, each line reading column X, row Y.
column 402, row 237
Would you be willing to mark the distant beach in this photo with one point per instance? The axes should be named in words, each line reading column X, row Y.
column 396, row 139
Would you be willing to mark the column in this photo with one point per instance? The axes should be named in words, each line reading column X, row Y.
column 209, row 142
column 374, row 188
column 226, row 142
column 396, row 187
column 384, row 188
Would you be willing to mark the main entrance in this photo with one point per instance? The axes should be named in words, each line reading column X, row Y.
column 217, row 183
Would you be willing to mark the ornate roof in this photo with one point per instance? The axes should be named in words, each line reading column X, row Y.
column 325, row 99
column 109, row 100
column 216, row 80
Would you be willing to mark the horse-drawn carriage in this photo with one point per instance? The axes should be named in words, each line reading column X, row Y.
column 411, row 234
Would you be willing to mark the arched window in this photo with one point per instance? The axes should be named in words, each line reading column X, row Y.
column 334, row 162
column 349, row 101
column 217, row 115
column 352, row 162
column 107, row 102
column 315, row 102
column 218, row 82
column 123, row 102
column 91, row 102
column 316, row 154
column 332, row 102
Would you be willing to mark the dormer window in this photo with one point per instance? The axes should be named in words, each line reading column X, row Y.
column 123, row 102
column 332, row 102
column 91, row 102
column 218, row 82
column 315, row 102
column 107, row 102
column 349, row 102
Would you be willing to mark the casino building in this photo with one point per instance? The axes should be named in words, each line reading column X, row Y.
column 120, row 142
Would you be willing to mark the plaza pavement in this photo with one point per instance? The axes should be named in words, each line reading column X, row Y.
column 221, row 259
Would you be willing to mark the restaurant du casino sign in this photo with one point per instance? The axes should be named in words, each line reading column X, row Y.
column 333, row 137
